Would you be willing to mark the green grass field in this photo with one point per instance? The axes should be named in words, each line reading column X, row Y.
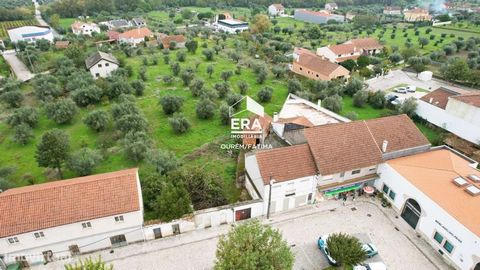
column 4, row 26
column 65, row 23
column 4, row 68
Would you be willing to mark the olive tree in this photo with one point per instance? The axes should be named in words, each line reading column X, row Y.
column 53, row 150
column 83, row 161
column 61, row 111
column 96, row 120
column 171, row 103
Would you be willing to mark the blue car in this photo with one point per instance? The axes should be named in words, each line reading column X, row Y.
column 322, row 245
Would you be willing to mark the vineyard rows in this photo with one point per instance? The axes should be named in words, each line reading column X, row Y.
column 12, row 24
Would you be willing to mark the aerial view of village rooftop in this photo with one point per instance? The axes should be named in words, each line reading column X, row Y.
column 240, row 135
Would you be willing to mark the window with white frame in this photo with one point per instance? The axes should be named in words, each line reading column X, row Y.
column 13, row 240
column 385, row 189
column 39, row 235
column 118, row 218
column 443, row 242
column 86, row 225
column 355, row 172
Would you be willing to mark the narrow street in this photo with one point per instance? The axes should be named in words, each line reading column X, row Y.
column 19, row 68
column 41, row 21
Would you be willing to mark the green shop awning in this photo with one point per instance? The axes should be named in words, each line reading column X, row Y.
column 342, row 189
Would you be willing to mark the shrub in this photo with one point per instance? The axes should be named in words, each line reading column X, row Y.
column 118, row 86
column 222, row 89
column 243, row 87
column 294, row 86
column 197, row 87
column 377, row 100
column 25, row 115
column 13, row 99
column 171, row 103
column 23, row 134
column 96, row 120
column 163, row 161
column 265, row 94
column 205, row 109
column 179, row 123
column 360, row 98
column 136, row 145
column 83, row 161
column 224, row 114
column 138, row 87
column 46, row 87
column 333, row 103
column 87, row 95
column 352, row 115
column 131, row 123
column 61, row 111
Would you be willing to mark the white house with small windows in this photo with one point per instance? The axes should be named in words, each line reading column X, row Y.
column 85, row 28
column 437, row 194
column 276, row 10
column 101, row 64
column 231, row 26
column 45, row 222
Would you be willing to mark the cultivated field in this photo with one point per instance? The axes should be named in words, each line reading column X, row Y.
column 4, row 26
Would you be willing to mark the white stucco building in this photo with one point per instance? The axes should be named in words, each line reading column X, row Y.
column 231, row 26
column 276, row 10
column 135, row 36
column 86, row 29
column 459, row 113
column 436, row 193
column 331, row 159
column 101, row 64
column 45, row 222
column 30, row 34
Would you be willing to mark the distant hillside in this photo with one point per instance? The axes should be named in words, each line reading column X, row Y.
column 15, row 3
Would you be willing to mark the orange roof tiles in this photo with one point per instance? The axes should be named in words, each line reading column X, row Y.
column 432, row 173
column 136, row 33
column 343, row 48
column 471, row 99
column 366, row 43
column 176, row 38
column 52, row 204
column 286, row 163
column 439, row 97
column 318, row 64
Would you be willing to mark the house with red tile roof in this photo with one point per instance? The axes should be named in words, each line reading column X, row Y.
column 334, row 158
column 455, row 111
column 416, row 15
column 351, row 49
column 316, row 67
column 276, row 10
column 85, row 28
column 437, row 194
column 318, row 17
column 43, row 222
column 135, row 36
column 178, row 39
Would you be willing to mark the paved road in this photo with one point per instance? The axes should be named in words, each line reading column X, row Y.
column 21, row 71
column 41, row 21
column 396, row 77
column 301, row 228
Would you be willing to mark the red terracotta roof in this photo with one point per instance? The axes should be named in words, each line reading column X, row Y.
column 299, row 120
column 343, row 48
column 137, row 33
column 278, row 6
column 113, row 35
column 176, row 38
column 471, row 99
column 42, row 206
column 318, row 64
column 322, row 13
column 366, row 43
column 286, row 163
column 439, row 97
column 417, row 10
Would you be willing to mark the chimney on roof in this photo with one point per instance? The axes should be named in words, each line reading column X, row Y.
column 275, row 116
column 319, row 104
column 384, row 146
column 431, row 100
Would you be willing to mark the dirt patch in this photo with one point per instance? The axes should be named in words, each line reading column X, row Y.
column 469, row 149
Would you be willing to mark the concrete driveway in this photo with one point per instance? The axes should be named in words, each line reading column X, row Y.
column 397, row 77
column 21, row 71
column 397, row 244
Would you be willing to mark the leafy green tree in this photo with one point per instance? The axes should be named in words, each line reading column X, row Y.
column 353, row 86
column 6, row 184
column 265, row 94
column 187, row 76
column 179, row 123
column 360, row 98
column 395, row 57
column 345, row 249
column 226, row 75
column 117, row 87
column 294, row 86
column 23, row 134
column 222, row 89
column 262, row 75
column 279, row 70
column 83, row 161
column 53, row 150
column 78, row 79
column 210, row 71
column 349, row 64
column 191, row 46
column 363, row 61
column 171, row 103
column 131, row 123
column 89, row 264
column 352, row 115
column 243, row 87
column 173, row 202
column 333, row 103
column 181, row 56
column 456, row 69
column 423, row 41
column 208, row 53
column 75, row 53
column 196, row 87
column 378, row 100
column 61, row 111
column 46, row 87
column 205, row 109
column 260, row 24
column 418, row 63
column 88, row 95
column 13, row 99
column 136, row 145
column 96, row 120
column 25, row 115
column 408, row 107
column 124, row 108
column 253, row 245
column 138, row 87
column 163, row 161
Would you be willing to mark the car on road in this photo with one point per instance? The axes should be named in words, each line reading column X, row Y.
column 402, row 90
column 397, row 101
column 370, row 249
column 411, row 88
column 322, row 245
column 390, row 97
column 371, row 266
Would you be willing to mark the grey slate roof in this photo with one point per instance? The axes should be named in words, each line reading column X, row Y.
column 119, row 23
column 96, row 57
column 138, row 21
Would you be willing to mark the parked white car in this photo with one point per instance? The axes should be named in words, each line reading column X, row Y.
column 402, row 90
column 398, row 101
column 411, row 88
column 371, row 266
